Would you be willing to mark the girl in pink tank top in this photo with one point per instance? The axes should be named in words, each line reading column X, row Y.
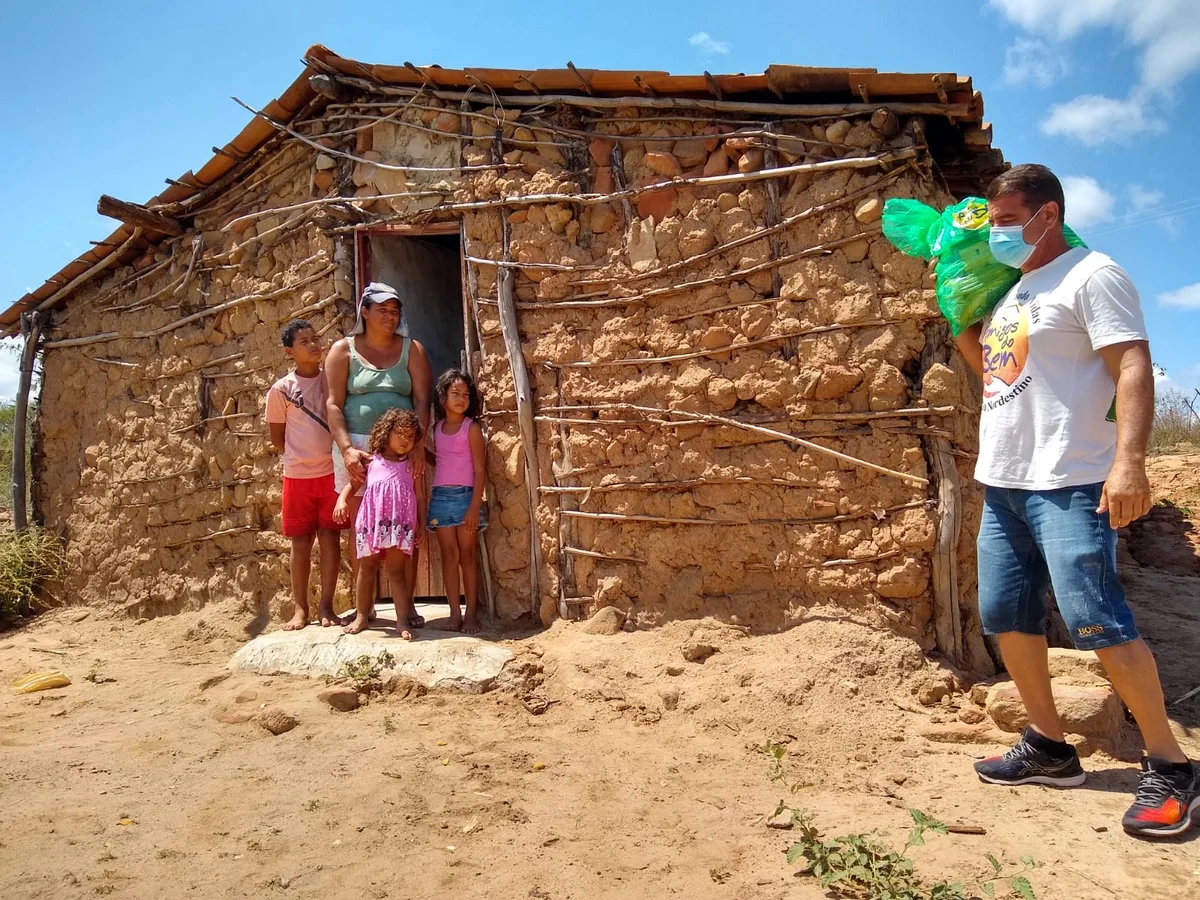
column 456, row 505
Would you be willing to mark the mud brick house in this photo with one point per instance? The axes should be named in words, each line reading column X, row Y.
column 712, row 387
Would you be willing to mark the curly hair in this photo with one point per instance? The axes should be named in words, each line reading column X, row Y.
column 444, row 383
column 387, row 423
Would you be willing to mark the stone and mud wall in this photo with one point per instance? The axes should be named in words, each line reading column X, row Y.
column 697, row 331
column 154, row 462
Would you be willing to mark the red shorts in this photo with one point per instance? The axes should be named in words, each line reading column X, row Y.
column 308, row 505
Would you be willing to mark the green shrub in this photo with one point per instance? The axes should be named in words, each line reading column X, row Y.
column 1175, row 421
column 27, row 558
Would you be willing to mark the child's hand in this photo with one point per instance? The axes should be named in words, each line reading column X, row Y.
column 419, row 536
column 472, row 519
column 341, row 511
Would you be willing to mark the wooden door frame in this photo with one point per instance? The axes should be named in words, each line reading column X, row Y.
column 362, row 245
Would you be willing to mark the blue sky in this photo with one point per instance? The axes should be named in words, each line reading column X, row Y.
column 111, row 98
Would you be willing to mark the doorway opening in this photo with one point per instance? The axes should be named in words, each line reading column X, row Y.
column 424, row 265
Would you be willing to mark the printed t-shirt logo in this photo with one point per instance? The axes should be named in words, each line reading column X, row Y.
column 1005, row 349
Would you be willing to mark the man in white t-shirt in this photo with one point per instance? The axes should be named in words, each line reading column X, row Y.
column 1068, row 401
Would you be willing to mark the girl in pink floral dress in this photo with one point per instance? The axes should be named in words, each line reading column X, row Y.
column 391, row 522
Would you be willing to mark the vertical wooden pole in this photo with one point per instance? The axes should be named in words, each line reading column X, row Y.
column 566, row 526
column 773, row 213
column 31, row 328
column 516, row 362
column 947, row 600
column 471, row 329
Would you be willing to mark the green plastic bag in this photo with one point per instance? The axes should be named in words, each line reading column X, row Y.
column 970, row 282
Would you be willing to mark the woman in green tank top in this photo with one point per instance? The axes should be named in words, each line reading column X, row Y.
column 374, row 369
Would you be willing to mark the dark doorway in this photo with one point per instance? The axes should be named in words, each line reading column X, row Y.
column 426, row 271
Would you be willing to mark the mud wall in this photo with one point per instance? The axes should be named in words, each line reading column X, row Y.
column 686, row 299
column 768, row 302
column 155, row 463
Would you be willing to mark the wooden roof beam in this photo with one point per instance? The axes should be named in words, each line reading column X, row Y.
column 587, row 85
column 524, row 80
column 137, row 215
column 713, row 87
column 420, row 73
column 643, row 87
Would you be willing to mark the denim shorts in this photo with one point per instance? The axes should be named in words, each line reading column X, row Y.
column 1031, row 540
column 448, row 507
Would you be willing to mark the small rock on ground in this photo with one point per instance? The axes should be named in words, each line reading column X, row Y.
column 606, row 621
column 1089, row 710
column 401, row 686
column 698, row 651
column 342, row 699
column 277, row 721
column 234, row 717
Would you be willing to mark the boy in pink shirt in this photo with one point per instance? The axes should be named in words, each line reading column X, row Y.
column 296, row 417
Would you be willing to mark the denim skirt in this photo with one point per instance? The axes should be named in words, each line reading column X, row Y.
column 448, row 507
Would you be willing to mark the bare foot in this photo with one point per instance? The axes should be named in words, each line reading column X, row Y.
column 403, row 633
column 329, row 617
column 360, row 623
column 454, row 623
column 471, row 625
column 298, row 620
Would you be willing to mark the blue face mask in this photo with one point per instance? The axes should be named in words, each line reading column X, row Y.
column 1008, row 243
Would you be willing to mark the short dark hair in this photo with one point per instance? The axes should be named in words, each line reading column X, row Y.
column 444, row 383
column 1036, row 184
column 291, row 329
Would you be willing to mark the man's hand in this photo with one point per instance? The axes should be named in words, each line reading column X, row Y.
column 1126, row 495
column 356, row 461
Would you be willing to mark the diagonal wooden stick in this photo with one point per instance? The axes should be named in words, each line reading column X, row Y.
column 790, row 438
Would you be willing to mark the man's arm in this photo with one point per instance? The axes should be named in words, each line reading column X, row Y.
column 1126, row 494
column 969, row 343
column 971, row 347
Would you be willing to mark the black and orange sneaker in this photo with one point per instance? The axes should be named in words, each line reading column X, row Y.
column 1168, row 795
column 1034, row 760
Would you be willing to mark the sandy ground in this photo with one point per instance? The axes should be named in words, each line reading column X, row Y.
column 641, row 779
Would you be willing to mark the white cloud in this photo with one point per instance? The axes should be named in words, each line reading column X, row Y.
column 1093, row 119
column 1087, row 202
column 1185, row 298
column 1166, row 32
column 1030, row 61
column 1141, row 198
column 706, row 44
